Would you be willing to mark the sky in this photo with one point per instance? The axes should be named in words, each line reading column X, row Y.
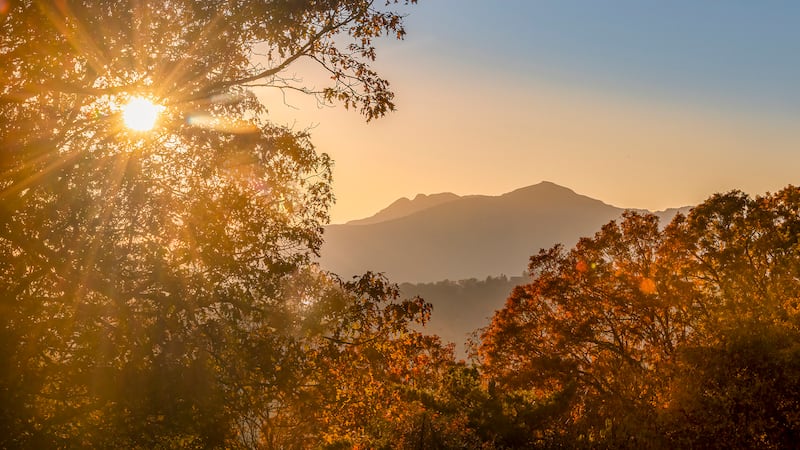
column 640, row 103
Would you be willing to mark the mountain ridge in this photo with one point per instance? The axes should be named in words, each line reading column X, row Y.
column 446, row 236
column 404, row 206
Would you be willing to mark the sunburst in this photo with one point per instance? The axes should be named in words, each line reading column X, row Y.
column 140, row 114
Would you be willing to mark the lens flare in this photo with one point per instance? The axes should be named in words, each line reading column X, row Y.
column 140, row 114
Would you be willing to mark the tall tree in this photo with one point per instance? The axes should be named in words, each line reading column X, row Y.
column 144, row 274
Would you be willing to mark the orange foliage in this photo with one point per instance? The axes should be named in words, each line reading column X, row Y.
column 605, row 325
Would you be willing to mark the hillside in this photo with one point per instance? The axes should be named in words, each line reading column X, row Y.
column 461, row 307
column 444, row 236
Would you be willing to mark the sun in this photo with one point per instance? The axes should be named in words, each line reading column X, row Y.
column 140, row 114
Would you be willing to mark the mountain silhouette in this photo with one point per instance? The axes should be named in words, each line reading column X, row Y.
column 444, row 236
column 404, row 207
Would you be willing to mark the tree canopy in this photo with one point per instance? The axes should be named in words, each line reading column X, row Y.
column 685, row 336
column 155, row 286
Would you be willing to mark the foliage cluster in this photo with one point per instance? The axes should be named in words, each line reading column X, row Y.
column 687, row 336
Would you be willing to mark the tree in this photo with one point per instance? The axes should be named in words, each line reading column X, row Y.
column 740, row 392
column 735, row 379
column 143, row 275
column 658, row 337
column 357, row 362
column 589, row 329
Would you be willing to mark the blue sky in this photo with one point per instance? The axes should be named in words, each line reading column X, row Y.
column 641, row 104
column 730, row 54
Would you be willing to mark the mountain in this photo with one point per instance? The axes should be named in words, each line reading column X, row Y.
column 444, row 236
column 430, row 240
column 405, row 207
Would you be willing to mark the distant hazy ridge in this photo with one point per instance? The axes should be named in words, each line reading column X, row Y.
column 444, row 236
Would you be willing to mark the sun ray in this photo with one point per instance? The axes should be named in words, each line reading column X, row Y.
column 224, row 124
column 80, row 40
column 178, row 70
column 117, row 175
column 26, row 183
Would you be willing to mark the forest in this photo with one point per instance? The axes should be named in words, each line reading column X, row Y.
column 158, row 286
